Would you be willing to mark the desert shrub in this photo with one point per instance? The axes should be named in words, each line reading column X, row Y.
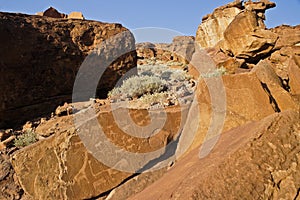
column 179, row 75
column 215, row 73
column 137, row 86
column 25, row 139
column 156, row 98
column 155, row 85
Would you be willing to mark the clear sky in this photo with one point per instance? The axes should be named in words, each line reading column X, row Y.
column 183, row 16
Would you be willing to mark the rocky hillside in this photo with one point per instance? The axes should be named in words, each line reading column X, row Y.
column 40, row 57
column 236, row 137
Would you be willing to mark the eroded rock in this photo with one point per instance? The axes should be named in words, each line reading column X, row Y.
column 60, row 167
column 256, row 161
column 40, row 61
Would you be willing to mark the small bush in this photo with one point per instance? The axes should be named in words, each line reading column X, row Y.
column 215, row 73
column 137, row 86
column 25, row 139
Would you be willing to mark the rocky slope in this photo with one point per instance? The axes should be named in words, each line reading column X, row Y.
column 256, row 131
column 40, row 57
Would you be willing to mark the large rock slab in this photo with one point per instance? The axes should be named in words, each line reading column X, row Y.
column 40, row 57
column 259, row 160
column 61, row 167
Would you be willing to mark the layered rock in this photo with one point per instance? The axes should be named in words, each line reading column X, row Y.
column 211, row 30
column 245, row 39
column 40, row 57
column 238, row 29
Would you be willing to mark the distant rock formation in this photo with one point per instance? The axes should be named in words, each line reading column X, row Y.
column 75, row 15
column 52, row 12
column 180, row 50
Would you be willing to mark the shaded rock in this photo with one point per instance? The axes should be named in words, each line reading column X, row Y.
column 256, row 161
column 10, row 188
column 221, row 59
column 75, row 15
column 280, row 61
column 52, row 12
column 280, row 99
column 40, row 76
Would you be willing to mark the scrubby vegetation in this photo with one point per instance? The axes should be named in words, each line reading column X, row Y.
column 25, row 139
column 155, row 85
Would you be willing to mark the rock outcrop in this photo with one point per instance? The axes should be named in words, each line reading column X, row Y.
column 238, row 29
column 75, row 15
column 180, row 50
column 259, row 160
column 61, row 167
column 211, row 30
column 52, row 12
column 40, row 57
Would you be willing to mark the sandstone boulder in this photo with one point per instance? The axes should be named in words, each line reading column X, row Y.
column 288, row 36
column 40, row 58
column 75, row 15
column 259, row 160
column 211, row 30
column 221, row 59
column 238, row 29
column 63, row 167
column 52, row 12
column 280, row 99
column 243, row 38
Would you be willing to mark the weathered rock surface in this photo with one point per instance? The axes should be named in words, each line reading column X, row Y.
column 40, row 57
column 10, row 189
column 239, row 30
column 52, row 12
column 211, row 30
column 75, row 15
column 244, row 39
column 259, row 160
column 180, row 50
column 61, row 167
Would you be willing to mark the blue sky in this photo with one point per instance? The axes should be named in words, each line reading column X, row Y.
column 182, row 16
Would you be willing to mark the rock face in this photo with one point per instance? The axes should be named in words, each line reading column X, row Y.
column 238, row 30
column 259, row 160
column 61, row 167
column 211, row 30
column 40, row 57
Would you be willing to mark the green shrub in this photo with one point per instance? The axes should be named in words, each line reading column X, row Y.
column 25, row 139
